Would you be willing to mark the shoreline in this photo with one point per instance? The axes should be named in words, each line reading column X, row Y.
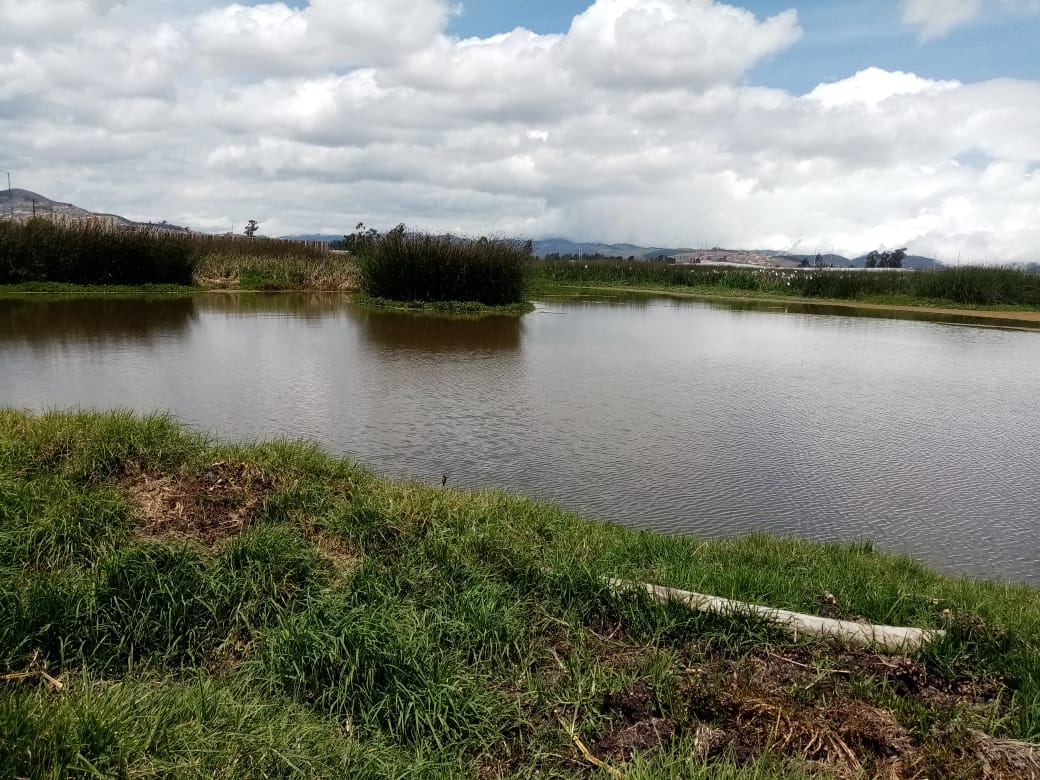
column 270, row 609
column 1023, row 315
column 1027, row 320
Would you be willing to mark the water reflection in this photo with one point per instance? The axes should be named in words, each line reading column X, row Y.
column 291, row 304
column 406, row 331
column 857, row 312
column 42, row 322
column 648, row 298
column 667, row 413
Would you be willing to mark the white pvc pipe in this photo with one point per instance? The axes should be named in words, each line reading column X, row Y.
column 892, row 638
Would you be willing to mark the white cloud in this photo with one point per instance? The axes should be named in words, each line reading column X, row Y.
column 661, row 43
column 936, row 18
column 637, row 124
column 28, row 20
column 276, row 38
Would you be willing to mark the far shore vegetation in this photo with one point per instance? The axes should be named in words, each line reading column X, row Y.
column 981, row 287
column 176, row 607
column 445, row 274
column 95, row 254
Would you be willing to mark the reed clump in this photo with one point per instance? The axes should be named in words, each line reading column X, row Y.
column 403, row 266
column 89, row 252
column 174, row 607
column 94, row 252
column 992, row 286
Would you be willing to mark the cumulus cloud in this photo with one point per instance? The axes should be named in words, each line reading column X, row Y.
column 275, row 37
column 28, row 21
column 661, row 43
column 637, row 124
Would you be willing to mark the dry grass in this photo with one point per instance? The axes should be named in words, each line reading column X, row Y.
column 208, row 507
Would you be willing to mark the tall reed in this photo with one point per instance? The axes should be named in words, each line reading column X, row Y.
column 94, row 252
column 404, row 266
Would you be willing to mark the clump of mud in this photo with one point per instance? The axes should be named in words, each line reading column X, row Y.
column 210, row 507
column 639, row 726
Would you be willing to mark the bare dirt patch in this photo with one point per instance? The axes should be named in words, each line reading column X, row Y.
column 1007, row 757
column 212, row 506
column 805, row 703
column 841, row 712
column 639, row 726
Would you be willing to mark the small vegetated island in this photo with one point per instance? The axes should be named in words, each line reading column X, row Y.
column 442, row 273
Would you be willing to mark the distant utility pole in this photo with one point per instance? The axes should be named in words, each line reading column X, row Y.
column 10, row 198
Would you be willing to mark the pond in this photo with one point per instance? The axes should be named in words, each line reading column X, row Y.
column 677, row 415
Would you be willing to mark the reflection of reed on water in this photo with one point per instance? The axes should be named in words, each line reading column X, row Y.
column 851, row 310
column 425, row 333
column 300, row 305
column 43, row 321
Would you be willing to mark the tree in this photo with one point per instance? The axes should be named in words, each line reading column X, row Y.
column 360, row 238
column 251, row 227
column 890, row 259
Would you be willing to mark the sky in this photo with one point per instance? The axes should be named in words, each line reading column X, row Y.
column 812, row 126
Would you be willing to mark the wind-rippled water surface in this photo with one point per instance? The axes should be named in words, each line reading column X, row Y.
column 675, row 415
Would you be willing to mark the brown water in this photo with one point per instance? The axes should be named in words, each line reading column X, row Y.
column 677, row 415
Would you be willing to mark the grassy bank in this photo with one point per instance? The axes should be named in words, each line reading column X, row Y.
column 963, row 287
column 218, row 611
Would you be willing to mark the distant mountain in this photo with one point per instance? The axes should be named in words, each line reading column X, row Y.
column 326, row 237
column 916, row 262
column 562, row 246
column 27, row 203
column 838, row 261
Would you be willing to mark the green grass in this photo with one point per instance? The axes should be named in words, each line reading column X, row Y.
column 962, row 287
column 108, row 290
column 404, row 266
column 353, row 626
column 458, row 308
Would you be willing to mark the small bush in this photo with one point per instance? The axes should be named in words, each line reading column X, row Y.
column 403, row 266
